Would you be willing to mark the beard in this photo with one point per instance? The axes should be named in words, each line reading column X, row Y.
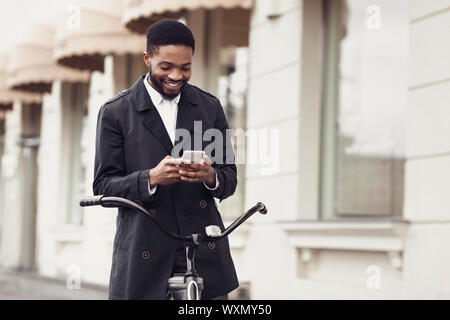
column 158, row 86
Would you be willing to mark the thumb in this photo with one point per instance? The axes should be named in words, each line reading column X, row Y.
column 206, row 159
column 166, row 159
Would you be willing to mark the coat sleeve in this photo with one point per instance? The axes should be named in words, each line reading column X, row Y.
column 110, row 176
column 226, row 171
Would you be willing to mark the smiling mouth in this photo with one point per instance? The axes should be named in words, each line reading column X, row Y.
column 173, row 85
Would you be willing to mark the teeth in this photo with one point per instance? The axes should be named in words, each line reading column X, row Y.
column 172, row 84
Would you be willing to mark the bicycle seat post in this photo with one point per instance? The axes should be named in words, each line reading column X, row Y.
column 190, row 254
column 190, row 285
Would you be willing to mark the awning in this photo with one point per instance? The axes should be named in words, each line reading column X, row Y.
column 31, row 65
column 140, row 14
column 8, row 96
column 91, row 31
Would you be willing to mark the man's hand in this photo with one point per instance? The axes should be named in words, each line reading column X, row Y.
column 165, row 173
column 199, row 172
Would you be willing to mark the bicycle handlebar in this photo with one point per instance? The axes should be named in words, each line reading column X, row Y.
column 109, row 202
column 91, row 201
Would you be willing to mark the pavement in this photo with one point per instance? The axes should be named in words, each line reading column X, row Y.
column 22, row 285
column 28, row 285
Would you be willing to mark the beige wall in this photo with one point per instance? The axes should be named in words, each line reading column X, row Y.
column 288, row 254
column 333, row 260
column 427, row 201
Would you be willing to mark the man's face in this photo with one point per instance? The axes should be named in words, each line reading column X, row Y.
column 169, row 69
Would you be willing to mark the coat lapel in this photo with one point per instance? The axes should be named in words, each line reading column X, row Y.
column 153, row 122
column 187, row 109
column 151, row 119
column 186, row 115
column 188, row 112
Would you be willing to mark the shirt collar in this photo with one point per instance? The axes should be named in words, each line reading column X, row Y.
column 156, row 97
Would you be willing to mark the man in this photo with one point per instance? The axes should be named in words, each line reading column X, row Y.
column 136, row 132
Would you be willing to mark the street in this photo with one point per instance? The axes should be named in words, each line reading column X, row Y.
column 18, row 285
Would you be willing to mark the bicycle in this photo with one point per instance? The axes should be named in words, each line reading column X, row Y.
column 187, row 286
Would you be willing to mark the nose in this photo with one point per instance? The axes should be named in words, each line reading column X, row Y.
column 175, row 75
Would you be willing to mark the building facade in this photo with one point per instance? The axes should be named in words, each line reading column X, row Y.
column 343, row 105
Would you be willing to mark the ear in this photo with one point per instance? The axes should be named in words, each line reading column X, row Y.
column 147, row 59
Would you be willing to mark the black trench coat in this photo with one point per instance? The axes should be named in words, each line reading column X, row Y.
column 131, row 139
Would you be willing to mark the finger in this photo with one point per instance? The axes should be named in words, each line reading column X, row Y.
column 167, row 160
column 201, row 168
column 187, row 173
column 186, row 161
column 206, row 159
column 173, row 177
column 189, row 179
column 173, row 161
column 190, row 167
column 205, row 167
column 187, row 169
column 171, row 169
column 195, row 166
column 200, row 176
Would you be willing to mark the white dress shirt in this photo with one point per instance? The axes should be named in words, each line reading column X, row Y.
column 168, row 110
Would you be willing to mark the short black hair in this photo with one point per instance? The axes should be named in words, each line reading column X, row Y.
column 168, row 32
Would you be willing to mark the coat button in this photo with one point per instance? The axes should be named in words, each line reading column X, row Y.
column 203, row 204
column 211, row 245
column 145, row 254
column 152, row 212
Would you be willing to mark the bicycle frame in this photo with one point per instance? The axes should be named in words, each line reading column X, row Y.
column 192, row 284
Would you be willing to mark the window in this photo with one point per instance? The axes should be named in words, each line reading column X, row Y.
column 363, row 108
column 73, row 170
column 232, row 87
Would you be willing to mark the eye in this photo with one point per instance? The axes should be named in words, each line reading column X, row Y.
column 165, row 68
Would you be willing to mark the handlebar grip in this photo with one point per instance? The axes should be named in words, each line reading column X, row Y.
column 91, row 201
column 263, row 209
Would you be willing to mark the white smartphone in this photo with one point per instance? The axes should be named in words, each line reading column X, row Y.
column 194, row 156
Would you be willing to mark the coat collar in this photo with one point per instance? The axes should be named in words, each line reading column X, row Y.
column 155, row 95
column 187, row 111
column 143, row 102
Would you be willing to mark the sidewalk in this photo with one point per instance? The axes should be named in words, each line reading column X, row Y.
column 18, row 285
column 22, row 285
